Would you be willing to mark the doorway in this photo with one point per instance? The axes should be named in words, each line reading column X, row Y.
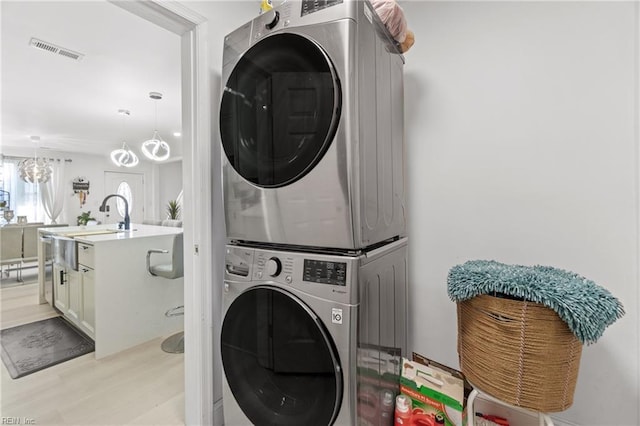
column 202, row 189
column 198, row 398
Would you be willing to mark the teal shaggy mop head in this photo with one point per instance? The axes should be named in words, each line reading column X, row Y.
column 586, row 307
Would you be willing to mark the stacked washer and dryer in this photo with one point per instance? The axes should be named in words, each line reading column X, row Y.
column 315, row 288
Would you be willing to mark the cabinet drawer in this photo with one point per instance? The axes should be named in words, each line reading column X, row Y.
column 85, row 254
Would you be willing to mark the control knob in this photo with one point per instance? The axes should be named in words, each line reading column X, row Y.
column 273, row 267
column 271, row 24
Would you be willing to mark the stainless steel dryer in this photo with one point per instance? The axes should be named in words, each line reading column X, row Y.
column 311, row 123
column 313, row 339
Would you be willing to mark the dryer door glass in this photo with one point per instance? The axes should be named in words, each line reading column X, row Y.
column 279, row 360
column 280, row 110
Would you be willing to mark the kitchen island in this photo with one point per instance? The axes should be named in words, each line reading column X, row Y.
column 110, row 295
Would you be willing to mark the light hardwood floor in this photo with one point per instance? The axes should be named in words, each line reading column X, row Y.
column 140, row 386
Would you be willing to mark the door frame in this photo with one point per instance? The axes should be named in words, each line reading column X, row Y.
column 199, row 253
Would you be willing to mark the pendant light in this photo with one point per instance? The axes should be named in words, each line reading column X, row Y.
column 155, row 148
column 35, row 170
column 124, row 157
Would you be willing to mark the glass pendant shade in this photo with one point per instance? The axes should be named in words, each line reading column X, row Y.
column 155, row 148
column 35, row 170
column 124, row 157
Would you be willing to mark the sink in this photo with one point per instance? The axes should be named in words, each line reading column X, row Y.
column 65, row 252
column 96, row 232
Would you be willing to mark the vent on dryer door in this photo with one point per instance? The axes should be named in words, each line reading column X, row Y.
column 52, row 48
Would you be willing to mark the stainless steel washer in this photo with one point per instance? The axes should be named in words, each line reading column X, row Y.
column 311, row 338
column 311, row 123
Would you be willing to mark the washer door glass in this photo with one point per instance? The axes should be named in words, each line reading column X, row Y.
column 279, row 361
column 280, row 110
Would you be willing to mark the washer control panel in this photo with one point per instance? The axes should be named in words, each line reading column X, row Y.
column 324, row 272
column 324, row 275
column 257, row 264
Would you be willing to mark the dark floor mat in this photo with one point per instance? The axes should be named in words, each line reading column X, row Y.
column 33, row 347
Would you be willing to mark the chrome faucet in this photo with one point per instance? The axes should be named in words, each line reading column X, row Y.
column 127, row 219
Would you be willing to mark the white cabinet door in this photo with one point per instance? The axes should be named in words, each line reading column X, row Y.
column 75, row 296
column 60, row 293
column 74, row 292
column 88, row 322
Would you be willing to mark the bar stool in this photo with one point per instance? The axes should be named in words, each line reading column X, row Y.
column 172, row 270
column 173, row 344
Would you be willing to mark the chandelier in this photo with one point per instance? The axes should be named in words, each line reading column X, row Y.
column 35, row 170
column 124, row 157
column 155, row 148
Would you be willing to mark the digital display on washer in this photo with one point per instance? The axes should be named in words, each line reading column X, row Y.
column 322, row 272
column 310, row 6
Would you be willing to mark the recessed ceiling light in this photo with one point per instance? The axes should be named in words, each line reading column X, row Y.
column 176, row 134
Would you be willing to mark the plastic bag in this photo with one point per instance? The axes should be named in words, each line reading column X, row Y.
column 392, row 16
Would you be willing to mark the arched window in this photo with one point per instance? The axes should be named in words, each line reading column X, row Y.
column 125, row 190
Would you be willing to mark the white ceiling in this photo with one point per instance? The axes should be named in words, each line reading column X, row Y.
column 73, row 105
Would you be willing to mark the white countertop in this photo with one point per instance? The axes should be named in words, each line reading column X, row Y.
column 95, row 234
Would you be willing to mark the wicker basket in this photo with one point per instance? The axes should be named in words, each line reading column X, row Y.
column 519, row 352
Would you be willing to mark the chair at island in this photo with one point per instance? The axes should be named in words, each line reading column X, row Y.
column 19, row 244
column 30, row 244
column 11, row 249
column 172, row 270
column 175, row 269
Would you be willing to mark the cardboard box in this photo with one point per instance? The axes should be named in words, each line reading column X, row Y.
column 437, row 392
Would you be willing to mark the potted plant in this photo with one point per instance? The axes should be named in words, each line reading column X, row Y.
column 85, row 217
column 173, row 210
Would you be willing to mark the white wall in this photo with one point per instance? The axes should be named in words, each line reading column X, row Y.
column 169, row 186
column 522, row 146
column 91, row 167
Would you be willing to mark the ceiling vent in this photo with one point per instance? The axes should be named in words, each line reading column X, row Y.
column 52, row 48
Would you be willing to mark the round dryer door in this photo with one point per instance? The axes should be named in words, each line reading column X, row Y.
column 279, row 360
column 280, row 110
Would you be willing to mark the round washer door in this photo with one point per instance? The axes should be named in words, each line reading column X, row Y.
column 279, row 361
column 280, row 110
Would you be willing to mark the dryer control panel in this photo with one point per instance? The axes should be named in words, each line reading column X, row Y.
column 310, row 6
